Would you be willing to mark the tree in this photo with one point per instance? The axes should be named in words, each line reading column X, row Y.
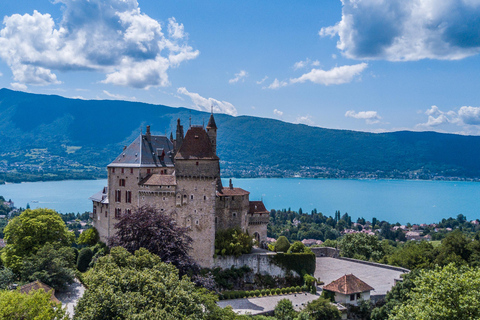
column 89, row 237
column 30, row 231
column 284, row 310
column 141, row 286
column 361, row 246
column 36, row 305
column 52, row 265
column 232, row 242
column 84, row 258
column 320, row 309
column 298, row 247
column 7, row 277
column 148, row 228
column 413, row 255
column 444, row 293
column 282, row 244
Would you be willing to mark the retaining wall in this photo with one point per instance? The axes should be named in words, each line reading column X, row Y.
column 258, row 262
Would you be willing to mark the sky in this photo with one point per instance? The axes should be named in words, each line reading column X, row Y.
column 367, row 65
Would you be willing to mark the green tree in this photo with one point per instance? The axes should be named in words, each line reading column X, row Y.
column 282, row 244
column 413, row 255
column 450, row 292
column 53, row 266
column 84, row 258
column 284, row 310
column 232, row 242
column 454, row 248
column 33, row 306
column 7, row 277
column 30, row 231
column 89, row 237
column 361, row 246
column 320, row 309
column 298, row 247
column 141, row 286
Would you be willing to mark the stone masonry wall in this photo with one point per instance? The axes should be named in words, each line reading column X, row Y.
column 259, row 262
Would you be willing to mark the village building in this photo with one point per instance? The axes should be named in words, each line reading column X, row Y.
column 349, row 290
column 38, row 285
column 181, row 178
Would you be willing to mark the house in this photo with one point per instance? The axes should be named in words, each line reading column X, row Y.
column 349, row 289
column 38, row 285
column 180, row 178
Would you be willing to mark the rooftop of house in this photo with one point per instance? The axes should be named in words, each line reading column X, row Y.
column 196, row 145
column 101, row 196
column 146, row 151
column 348, row 284
column 257, row 207
column 38, row 285
column 156, row 179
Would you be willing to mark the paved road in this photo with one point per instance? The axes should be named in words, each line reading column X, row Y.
column 255, row 306
column 69, row 298
column 381, row 279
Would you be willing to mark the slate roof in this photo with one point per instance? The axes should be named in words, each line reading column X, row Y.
column 37, row 285
column 257, row 207
column 348, row 284
column 158, row 180
column 196, row 145
column 211, row 122
column 146, row 150
column 228, row 192
column 101, row 196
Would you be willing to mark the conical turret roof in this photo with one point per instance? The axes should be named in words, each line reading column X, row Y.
column 211, row 123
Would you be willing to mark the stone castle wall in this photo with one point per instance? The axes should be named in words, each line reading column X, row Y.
column 259, row 263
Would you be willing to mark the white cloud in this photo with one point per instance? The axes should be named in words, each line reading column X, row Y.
column 108, row 36
column 205, row 104
column 337, row 75
column 400, row 30
column 278, row 112
column 119, row 96
column 316, row 63
column 263, row 80
column 306, row 63
column 370, row 117
column 239, row 76
column 466, row 117
column 18, row 86
column 305, row 120
column 277, row 84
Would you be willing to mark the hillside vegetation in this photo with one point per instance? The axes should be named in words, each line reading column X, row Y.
column 46, row 137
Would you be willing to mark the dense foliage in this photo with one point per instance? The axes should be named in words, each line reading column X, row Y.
column 301, row 263
column 89, row 237
column 148, row 228
column 30, row 231
column 282, row 244
column 232, row 242
column 33, row 306
column 140, row 286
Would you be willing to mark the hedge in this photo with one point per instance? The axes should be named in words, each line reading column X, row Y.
column 299, row 262
column 259, row 293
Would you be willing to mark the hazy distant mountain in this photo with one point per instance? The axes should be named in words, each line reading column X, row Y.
column 47, row 136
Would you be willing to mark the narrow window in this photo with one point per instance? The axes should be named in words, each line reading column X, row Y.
column 197, row 163
column 352, row 297
column 129, row 211
column 122, row 182
column 234, row 214
column 148, row 171
column 204, row 197
column 128, row 196
column 118, row 196
column 131, row 170
column 358, row 296
column 191, row 197
column 123, row 170
column 113, row 170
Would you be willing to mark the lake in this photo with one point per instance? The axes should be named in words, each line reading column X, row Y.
column 391, row 200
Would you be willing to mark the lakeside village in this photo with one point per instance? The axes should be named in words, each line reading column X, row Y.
column 165, row 239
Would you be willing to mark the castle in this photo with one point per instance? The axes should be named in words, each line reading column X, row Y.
column 179, row 177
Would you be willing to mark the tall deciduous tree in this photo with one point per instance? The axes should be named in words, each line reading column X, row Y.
column 140, row 286
column 148, row 228
column 30, row 231
column 447, row 293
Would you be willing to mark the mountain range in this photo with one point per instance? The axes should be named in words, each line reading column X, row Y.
column 45, row 137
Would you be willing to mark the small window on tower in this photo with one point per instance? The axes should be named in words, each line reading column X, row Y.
column 131, row 170
column 204, row 197
column 196, row 163
column 113, row 170
column 234, row 214
column 148, row 171
column 191, row 197
column 123, row 170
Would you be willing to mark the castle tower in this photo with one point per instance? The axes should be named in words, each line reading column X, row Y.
column 212, row 133
column 179, row 136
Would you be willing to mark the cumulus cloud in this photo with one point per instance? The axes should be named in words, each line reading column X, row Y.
column 305, row 63
column 205, row 104
column 239, row 76
column 465, row 117
column 401, row 30
column 109, row 36
column 18, row 86
column 278, row 112
column 337, row 75
column 305, row 120
column 119, row 96
column 370, row 117
column 277, row 84
column 263, row 80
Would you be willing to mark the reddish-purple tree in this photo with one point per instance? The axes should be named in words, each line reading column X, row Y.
column 148, row 228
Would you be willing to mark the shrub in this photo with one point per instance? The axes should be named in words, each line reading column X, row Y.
column 297, row 247
column 298, row 289
column 232, row 242
column 268, row 292
column 257, row 293
column 282, row 244
column 299, row 262
column 89, row 237
column 84, row 259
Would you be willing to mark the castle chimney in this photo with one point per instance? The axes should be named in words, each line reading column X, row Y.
column 148, row 130
column 231, row 184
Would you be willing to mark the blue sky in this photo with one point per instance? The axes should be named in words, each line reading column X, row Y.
column 370, row 65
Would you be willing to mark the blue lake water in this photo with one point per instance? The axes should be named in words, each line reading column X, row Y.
column 391, row 200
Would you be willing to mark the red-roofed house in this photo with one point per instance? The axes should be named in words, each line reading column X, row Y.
column 349, row 289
